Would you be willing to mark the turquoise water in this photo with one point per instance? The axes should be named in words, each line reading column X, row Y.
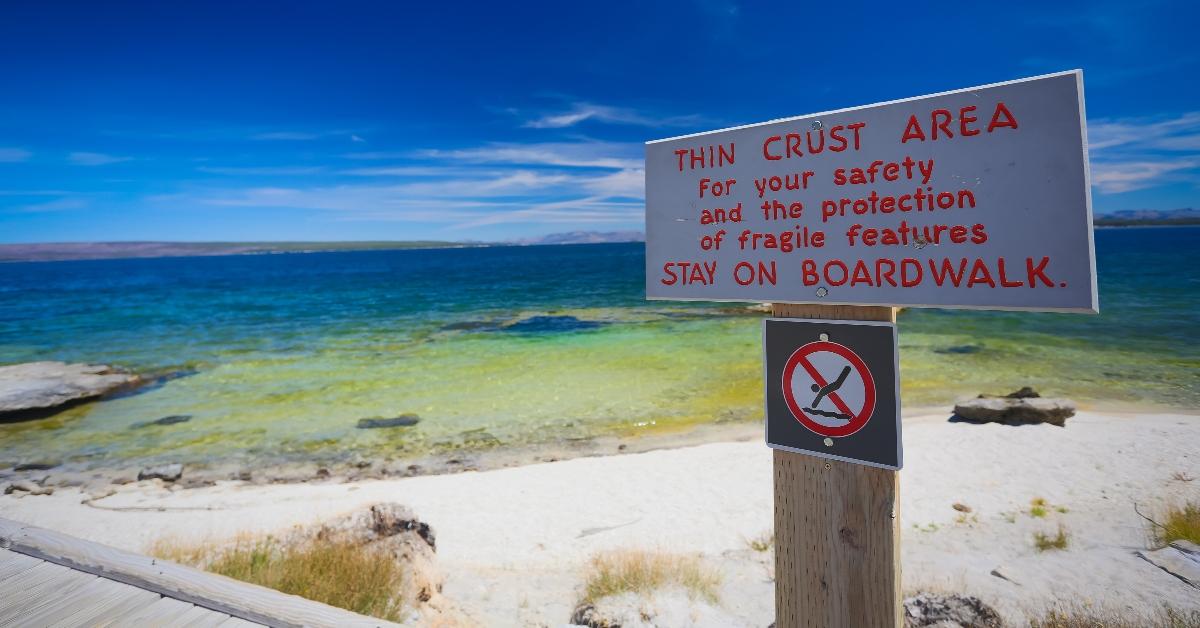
column 278, row 356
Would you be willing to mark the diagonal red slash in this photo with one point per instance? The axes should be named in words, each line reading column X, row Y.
column 820, row 381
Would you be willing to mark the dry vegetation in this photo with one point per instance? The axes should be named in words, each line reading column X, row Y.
column 1058, row 541
column 762, row 542
column 1176, row 523
column 348, row 575
column 1083, row 617
column 642, row 572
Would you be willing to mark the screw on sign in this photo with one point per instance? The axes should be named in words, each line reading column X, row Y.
column 829, row 389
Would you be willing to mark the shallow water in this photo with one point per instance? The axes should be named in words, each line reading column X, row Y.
column 282, row 354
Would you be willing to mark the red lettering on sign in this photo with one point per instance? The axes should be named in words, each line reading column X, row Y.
column 1008, row 120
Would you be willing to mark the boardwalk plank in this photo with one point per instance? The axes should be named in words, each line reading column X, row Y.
column 22, row 604
column 12, row 563
column 238, row 622
column 199, row 617
column 40, row 573
column 65, row 607
column 114, row 601
column 156, row 613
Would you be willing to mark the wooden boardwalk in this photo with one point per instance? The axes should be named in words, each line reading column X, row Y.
column 52, row 579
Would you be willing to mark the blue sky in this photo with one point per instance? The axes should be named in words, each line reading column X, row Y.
column 349, row 120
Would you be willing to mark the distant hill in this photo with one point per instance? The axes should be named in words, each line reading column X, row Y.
column 1140, row 217
column 57, row 251
column 585, row 237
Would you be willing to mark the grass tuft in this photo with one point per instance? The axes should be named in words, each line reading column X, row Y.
column 1176, row 523
column 642, row 572
column 339, row 573
column 1037, row 507
column 1084, row 617
column 762, row 542
column 1045, row 542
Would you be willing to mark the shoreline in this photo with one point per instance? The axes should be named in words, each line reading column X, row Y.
column 95, row 478
column 514, row 541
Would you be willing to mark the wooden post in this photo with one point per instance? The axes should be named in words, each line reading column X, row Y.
column 837, row 526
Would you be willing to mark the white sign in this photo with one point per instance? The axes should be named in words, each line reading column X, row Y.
column 977, row 198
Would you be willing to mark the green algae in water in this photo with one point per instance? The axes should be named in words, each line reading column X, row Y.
column 289, row 352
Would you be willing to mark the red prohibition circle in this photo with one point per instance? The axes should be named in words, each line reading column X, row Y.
column 860, row 419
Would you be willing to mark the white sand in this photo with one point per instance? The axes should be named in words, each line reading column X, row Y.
column 514, row 541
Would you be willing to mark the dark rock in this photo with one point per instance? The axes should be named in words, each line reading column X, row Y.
column 959, row 349
column 167, row 420
column 470, row 326
column 1025, row 393
column 1023, row 406
column 551, row 324
column 40, row 389
column 166, row 472
column 35, row 466
column 949, row 611
column 404, row 420
column 23, row 486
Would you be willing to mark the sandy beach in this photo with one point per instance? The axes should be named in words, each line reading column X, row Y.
column 514, row 542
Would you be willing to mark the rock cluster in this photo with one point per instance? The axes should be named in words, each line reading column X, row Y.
column 1021, row 407
column 166, row 472
column 928, row 610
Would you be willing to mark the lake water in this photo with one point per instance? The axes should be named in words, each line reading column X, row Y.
column 278, row 356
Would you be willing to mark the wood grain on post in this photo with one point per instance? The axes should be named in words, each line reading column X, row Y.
column 837, row 526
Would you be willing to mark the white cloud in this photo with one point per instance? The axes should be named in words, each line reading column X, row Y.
column 1181, row 132
column 470, row 198
column 10, row 155
column 566, row 154
column 1137, row 153
column 94, row 159
column 582, row 111
column 409, row 171
column 61, row 204
column 377, row 155
column 285, row 136
column 261, row 170
column 355, row 138
column 628, row 183
column 1126, row 176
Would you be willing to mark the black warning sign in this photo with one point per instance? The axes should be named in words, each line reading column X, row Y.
column 832, row 390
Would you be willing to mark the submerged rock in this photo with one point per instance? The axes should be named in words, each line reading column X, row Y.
column 469, row 326
column 167, row 420
column 1020, row 407
column 166, row 472
column 959, row 349
column 949, row 611
column 38, row 389
column 552, row 324
column 404, row 420
column 36, row 466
